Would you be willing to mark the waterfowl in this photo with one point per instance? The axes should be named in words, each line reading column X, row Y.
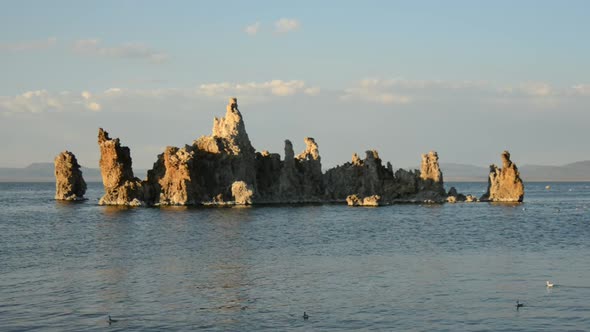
column 112, row 320
column 305, row 316
column 549, row 284
column 519, row 305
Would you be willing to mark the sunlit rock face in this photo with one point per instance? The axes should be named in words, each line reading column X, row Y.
column 120, row 185
column 69, row 183
column 504, row 184
column 171, row 180
column 354, row 200
column 430, row 173
column 224, row 157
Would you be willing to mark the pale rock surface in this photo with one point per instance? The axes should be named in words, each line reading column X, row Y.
column 430, row 173
column 504, row 184
column 171, row 180
column 242, row 193
column 69, row 183
column 225, row 157
column 355, row 200
column 120, row 185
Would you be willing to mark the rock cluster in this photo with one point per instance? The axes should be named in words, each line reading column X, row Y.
column 354, row 200
column 225, row 169
column 368, row 177
column 69, row 183
column 504, row 184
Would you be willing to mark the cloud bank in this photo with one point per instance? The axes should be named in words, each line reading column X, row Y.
column 30, row 45
column 93, row 47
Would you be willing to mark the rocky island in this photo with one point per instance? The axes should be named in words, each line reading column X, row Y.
column 225, row 169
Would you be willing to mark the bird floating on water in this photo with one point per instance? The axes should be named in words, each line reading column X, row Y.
column 549, row 284
column 519, row 305
column 112, row 320
column 305, row 316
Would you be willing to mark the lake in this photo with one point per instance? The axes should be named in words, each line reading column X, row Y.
column 451, row 267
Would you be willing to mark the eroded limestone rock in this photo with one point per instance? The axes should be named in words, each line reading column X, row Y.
column 171, row 180
column 430, row 174
column 69, row 183
column 242, row 193
column 355, row 200
column 504, row 184
column 224, row 169
column 369, row 177
column 120, row 185
column 224, row 157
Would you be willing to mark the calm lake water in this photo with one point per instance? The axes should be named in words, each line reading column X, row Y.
column 452, row 267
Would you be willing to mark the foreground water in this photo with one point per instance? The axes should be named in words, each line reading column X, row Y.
column 64, row 267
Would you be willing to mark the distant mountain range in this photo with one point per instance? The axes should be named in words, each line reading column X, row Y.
column 578, row 171
column 43, row 172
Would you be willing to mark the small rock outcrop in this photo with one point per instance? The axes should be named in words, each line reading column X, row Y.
column 453, row 196
column 69, row 183
column 241, row 193
column 120, row 185
column 504, row 184
column 354, row 200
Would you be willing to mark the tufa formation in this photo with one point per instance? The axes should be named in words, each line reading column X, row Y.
column 120, row 186
column 504, row 184
column 69, row 183
column 225, row 169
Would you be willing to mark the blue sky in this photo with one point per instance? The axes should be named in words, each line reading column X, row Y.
column 466, row 78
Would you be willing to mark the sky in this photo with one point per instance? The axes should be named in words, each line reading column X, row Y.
column 467, row 79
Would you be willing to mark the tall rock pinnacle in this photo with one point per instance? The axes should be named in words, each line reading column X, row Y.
column 504, row 184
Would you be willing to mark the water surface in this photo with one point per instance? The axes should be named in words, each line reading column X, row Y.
column 452, row 267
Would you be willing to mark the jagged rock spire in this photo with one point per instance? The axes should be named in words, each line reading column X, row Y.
column 504, row 184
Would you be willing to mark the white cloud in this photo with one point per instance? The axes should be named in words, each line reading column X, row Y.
column 270, row 88
column 252, row 30
column 127, row 50
column 31, row 102
column 38, row 101
column 113, row 91
column 581, row 89
column 368, row 91
column 286, row 25
column 28, row 45
column 375, row 91
column 529, row 89
column 313, row 91
column 93, row 106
